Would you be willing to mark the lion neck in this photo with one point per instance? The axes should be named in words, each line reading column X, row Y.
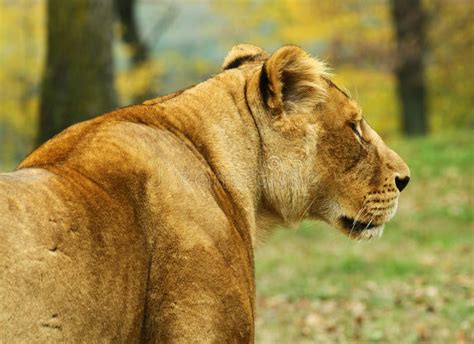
column 287, row 156
column 215, row 117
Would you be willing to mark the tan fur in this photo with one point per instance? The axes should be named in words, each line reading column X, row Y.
column 140, row 225
column 243, row 53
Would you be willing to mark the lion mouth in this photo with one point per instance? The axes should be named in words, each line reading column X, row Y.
column 356, row 226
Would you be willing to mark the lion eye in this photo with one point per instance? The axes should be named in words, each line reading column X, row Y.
column 355, row 126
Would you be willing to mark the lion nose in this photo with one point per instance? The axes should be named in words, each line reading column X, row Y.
column 401, row 183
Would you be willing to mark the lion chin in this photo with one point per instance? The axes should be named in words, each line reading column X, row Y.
column 360, row 230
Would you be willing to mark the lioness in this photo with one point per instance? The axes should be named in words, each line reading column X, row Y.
column 140, row 225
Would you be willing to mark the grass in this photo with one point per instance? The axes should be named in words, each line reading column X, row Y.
column 414, row 285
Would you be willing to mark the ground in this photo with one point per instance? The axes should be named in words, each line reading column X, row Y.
column 414, row 285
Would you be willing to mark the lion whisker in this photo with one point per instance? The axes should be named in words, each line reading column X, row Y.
column 307, row 209
column 359, row 214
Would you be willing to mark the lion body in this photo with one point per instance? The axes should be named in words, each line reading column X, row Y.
column 140, row 225
column 106, row 235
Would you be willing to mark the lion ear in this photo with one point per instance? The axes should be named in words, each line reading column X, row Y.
column 292, row 81
column 243, row 53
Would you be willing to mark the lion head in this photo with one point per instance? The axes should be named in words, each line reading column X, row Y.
column 321, row 159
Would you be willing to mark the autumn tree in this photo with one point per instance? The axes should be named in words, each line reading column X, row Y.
column 139, row 51
column 138, row 81
column 409, row 20
column 129, row 28
column 78, row 80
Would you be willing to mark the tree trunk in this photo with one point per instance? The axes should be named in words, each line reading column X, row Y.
column 78, row 81
column 409, row 23
column 140, row 54
column 126, row 15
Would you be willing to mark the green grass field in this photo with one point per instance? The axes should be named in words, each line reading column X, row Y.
column 414, row 285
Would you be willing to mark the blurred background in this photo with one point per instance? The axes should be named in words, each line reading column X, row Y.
column 407, row 62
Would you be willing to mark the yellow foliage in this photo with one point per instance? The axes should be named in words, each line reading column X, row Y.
column 20, row 73
column 137, row 81
column 450, row 75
